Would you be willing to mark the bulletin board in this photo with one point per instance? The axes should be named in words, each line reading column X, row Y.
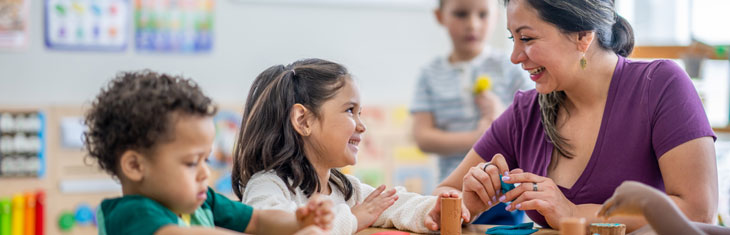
column 14, row 23
column 87, row 24
column 174, row 26
column 383, row 4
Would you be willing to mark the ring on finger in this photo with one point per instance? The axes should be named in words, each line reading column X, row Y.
column 485, row 166
column 534, row 187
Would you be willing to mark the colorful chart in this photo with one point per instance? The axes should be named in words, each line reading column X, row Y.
column 87, row 24
column 14, row 23
column 174, row 25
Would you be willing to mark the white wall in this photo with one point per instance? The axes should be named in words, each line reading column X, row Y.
column 383, row 47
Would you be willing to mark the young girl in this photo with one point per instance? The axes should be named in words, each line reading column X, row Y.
column 300, row 123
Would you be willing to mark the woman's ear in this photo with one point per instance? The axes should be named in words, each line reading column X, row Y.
column 132, row 165
column 301, row 119
column 585, row 38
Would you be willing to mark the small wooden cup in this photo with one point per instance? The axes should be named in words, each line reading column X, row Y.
column 573, row 226
column 450, row 216
column 608, row 229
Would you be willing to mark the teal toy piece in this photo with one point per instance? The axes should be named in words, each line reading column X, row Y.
column 505, row 186
column 520, row 229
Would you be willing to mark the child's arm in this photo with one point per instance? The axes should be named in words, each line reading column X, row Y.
column 262, row 222
column 272, row 222
column 268, row 191
column 711, row 229
column 317, row 212
column 409, row 212
column 177, row 230
column 635, row 199
column 430, row 138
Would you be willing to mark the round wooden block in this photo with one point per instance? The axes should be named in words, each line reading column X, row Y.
column 450, row 216
column 608, row 229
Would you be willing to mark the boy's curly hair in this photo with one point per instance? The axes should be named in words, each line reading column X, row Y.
column 134, row 111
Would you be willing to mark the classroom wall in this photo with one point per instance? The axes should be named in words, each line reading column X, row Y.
column 383, row 47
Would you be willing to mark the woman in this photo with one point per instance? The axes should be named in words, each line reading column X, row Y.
column 594, row 120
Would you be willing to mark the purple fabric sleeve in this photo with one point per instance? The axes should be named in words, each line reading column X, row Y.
column 677, row 114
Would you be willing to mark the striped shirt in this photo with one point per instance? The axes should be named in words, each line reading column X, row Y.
column 445, row 90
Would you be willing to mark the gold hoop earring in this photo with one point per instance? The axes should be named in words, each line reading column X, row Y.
column 583, row 62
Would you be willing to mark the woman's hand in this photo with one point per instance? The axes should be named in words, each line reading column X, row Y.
column 540, row 194
column 374, row 204
column 481, row 185
column 433, row 219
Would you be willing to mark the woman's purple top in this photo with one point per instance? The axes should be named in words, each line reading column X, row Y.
column 651, row 108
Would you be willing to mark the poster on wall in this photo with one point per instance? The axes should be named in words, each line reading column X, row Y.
column 87, row 24
column 384, row 4
column 14, row 23
column 174, row 25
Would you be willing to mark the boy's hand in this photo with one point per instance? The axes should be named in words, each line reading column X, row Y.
column 311, row 230
column 370, row 209
column 433, row 219
column 630, row 198
column 317, row 212
column 489, row 105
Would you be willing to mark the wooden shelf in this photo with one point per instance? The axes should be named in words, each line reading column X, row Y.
column 674, row 52
column 721, row 129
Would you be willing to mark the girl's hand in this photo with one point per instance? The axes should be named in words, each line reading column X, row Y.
column 481, row 186
column 630, row 198
column 317, row 212
column 538, row 193
column 374, row 204
column 433, row 219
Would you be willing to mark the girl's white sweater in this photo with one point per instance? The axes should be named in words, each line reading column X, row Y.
column 266, row 190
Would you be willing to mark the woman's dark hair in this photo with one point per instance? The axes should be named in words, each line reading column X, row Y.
column 135, row 112
column 268, row 141
column 613, row 31
column 570, row 16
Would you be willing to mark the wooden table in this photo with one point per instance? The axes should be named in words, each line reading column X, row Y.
column 472, row 229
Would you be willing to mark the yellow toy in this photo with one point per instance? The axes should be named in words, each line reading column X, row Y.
column 483, row 83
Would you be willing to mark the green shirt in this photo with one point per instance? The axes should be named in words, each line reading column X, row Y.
column 136, row 214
